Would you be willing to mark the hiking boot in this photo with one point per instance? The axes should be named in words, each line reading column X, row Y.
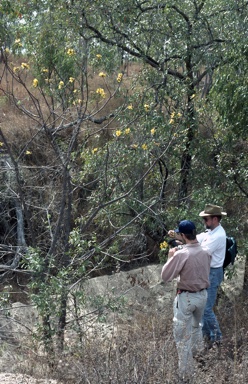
column 183, row 381
column 200, row 360
column 214, row 344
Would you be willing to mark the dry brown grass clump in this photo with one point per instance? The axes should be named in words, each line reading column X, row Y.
column 141, row 350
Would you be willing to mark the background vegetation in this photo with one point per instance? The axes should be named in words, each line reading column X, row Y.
column 118, row 118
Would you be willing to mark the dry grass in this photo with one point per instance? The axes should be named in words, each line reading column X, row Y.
column 141, row 350
column 146, row 353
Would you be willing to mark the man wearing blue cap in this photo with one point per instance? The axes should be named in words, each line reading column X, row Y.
column 189, row 263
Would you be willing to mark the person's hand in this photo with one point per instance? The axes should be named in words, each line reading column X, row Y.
column 175, row 235
column 172, row 252
column 172, row 233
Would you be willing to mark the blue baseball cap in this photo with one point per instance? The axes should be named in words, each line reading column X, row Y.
column 186, row 227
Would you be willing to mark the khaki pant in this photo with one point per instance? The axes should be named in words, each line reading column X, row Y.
column 188, row 312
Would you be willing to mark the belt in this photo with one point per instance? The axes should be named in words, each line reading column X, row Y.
column 183, row 290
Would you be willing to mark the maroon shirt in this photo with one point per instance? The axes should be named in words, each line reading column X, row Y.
column 192, row 265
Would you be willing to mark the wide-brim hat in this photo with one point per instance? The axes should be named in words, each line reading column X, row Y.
column 212, row 210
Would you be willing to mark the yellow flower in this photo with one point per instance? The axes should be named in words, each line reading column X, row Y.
column 192, row 97
column 118, row 133
column 171, row 121
column 147, row 107
column 71, row 79
column 61, row 84
column 7, row 51
column 94, row 150
column 45, row 70
column 75, row 90
column 102, row 74
column 127, row 131
column 119, row 77
column 179, row 114
column 28, row 153
column 99, row 56
column 25, row 66
column 101, row 92
column 153, row 130
column 70, row 52
column 78, row 101
column 18, row 42
column 144, row 146
column 130, row 106
column 16, row 69
column 163, row 245
column 1, row 143
column 35, row 83
column 173, row 115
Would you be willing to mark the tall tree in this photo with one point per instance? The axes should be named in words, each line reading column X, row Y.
column 183, row 41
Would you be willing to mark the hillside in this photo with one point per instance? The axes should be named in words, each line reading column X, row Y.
column 134, row 341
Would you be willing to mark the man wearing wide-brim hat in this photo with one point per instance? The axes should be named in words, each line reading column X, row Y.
column 212, row 210
column 214, row 238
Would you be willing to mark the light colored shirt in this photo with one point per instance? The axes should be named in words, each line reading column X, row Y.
column 191, row 265
column 215, row 241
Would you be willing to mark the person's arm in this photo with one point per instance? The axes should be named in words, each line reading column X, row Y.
column 174, row 265
column 213, row 243
column 201, row 236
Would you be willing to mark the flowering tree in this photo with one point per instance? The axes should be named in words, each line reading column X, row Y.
column 72, row 172
column 185, row 44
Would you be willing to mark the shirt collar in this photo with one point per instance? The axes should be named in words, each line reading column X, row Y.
column 215, row 229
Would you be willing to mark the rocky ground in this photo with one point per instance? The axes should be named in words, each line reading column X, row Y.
column 140, row 287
